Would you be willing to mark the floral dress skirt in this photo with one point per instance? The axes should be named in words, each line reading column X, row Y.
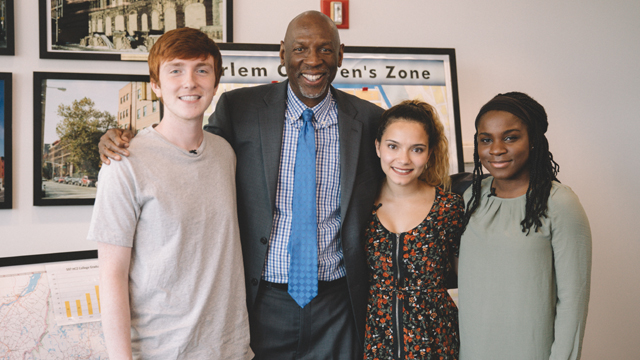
column 410, row 314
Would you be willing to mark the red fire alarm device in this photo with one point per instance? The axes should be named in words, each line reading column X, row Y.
column 338, row 11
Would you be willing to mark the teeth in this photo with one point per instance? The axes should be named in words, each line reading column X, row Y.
column 402, row 171
column 311, row 77
column 189, row 98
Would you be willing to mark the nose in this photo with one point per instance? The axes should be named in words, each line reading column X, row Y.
column 403, row 157
column 189, row 80
column 497, row 148
column 312, row 58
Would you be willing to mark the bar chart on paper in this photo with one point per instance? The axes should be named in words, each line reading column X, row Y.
column 75, row 291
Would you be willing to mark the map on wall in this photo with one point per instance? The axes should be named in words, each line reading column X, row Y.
column 29, row 329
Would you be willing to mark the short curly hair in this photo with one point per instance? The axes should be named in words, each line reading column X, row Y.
column 437, row 169
column 183, row 43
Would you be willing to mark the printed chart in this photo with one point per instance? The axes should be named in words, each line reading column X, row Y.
column 75, row 292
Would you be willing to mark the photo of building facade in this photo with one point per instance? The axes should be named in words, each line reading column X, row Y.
column 138, row 106
column 118, row 25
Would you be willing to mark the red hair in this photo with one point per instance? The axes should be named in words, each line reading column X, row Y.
column 183, row 43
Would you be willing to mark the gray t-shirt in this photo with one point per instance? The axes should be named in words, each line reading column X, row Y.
column 177, row 210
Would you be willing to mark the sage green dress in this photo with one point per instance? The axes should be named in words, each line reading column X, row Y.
column 524, row 297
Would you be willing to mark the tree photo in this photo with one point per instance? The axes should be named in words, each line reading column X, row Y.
column 80, row 131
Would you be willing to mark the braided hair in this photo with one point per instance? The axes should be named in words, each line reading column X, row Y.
column 542, row 168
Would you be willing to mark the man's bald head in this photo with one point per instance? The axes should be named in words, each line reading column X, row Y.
column 316, row 17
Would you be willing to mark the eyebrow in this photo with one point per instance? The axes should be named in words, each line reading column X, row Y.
column 181, row 63
column 503, row 133
column 396, row 142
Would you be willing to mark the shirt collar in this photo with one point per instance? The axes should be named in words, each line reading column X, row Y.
column 295, row 107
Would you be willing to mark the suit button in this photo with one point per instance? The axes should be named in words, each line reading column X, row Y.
column 254, row 281
column 264, row 240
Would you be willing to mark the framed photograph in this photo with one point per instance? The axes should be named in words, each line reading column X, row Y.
column 124, row 30
column 7, row 46
column 71, row 112
column 6, row 174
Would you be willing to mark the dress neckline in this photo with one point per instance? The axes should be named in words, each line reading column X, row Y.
column 432, row 209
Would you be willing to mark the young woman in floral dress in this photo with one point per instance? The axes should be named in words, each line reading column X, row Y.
column 414, row 230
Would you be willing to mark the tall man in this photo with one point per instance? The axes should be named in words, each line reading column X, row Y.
column 263, row 125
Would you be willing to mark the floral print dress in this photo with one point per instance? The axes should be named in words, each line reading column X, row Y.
column 410, row 314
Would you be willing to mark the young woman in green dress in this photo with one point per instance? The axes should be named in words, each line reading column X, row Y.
column 525, row 255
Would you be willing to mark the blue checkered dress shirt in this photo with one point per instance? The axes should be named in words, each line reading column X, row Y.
column 330, row 258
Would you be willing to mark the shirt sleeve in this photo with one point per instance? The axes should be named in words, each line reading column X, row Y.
column 571, row 242
column 116, row 210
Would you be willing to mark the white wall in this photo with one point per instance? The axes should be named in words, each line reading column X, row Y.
column 580, row 59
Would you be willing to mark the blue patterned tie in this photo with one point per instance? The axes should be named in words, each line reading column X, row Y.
column 303, row 246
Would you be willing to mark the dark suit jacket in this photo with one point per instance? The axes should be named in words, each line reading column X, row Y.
column 252, row 121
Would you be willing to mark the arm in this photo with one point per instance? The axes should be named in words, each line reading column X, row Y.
column 571, row 242
column 116, row 316
column 114, row 142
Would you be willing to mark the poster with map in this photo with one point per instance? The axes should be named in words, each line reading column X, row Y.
column 29, row 329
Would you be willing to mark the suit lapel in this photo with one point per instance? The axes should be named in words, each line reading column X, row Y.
column 350, row 131
column 271, row 121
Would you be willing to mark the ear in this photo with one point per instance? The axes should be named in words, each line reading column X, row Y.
column 340, row 55
column 281, row 52
column 378, row 147
column 156, row 89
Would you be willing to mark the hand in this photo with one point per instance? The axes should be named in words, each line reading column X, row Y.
column 113, row 144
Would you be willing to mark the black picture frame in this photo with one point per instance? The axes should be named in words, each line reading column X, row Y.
column 48, row 258
column 66, row 166
column 95, row 29
column 6, row 119
column 7, row 28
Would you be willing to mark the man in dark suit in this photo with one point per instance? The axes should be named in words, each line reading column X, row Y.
column 262, row 125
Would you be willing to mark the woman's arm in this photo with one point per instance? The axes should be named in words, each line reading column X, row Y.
column 571, row 242
column 114, row 263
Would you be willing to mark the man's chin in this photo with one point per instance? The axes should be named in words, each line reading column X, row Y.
column 314, row 94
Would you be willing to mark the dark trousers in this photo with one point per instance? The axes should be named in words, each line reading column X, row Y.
column 323, row 329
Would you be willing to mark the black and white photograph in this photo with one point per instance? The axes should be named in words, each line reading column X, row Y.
column 124, row 30
column 71, row 112
column 7, row 46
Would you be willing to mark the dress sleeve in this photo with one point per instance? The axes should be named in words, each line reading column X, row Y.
column 117, row 209
column 571, row 242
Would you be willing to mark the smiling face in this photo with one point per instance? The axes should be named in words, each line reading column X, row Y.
column 503, row 147
column 403, row 151
column 311, row 53
column 186, row 88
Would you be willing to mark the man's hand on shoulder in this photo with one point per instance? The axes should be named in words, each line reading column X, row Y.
column 113, row 144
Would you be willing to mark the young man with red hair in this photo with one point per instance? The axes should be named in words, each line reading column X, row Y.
column 169, row 251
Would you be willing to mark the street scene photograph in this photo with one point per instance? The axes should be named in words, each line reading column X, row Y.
column 76, row 114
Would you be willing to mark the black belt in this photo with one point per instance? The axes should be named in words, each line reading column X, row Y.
column 322, row 285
